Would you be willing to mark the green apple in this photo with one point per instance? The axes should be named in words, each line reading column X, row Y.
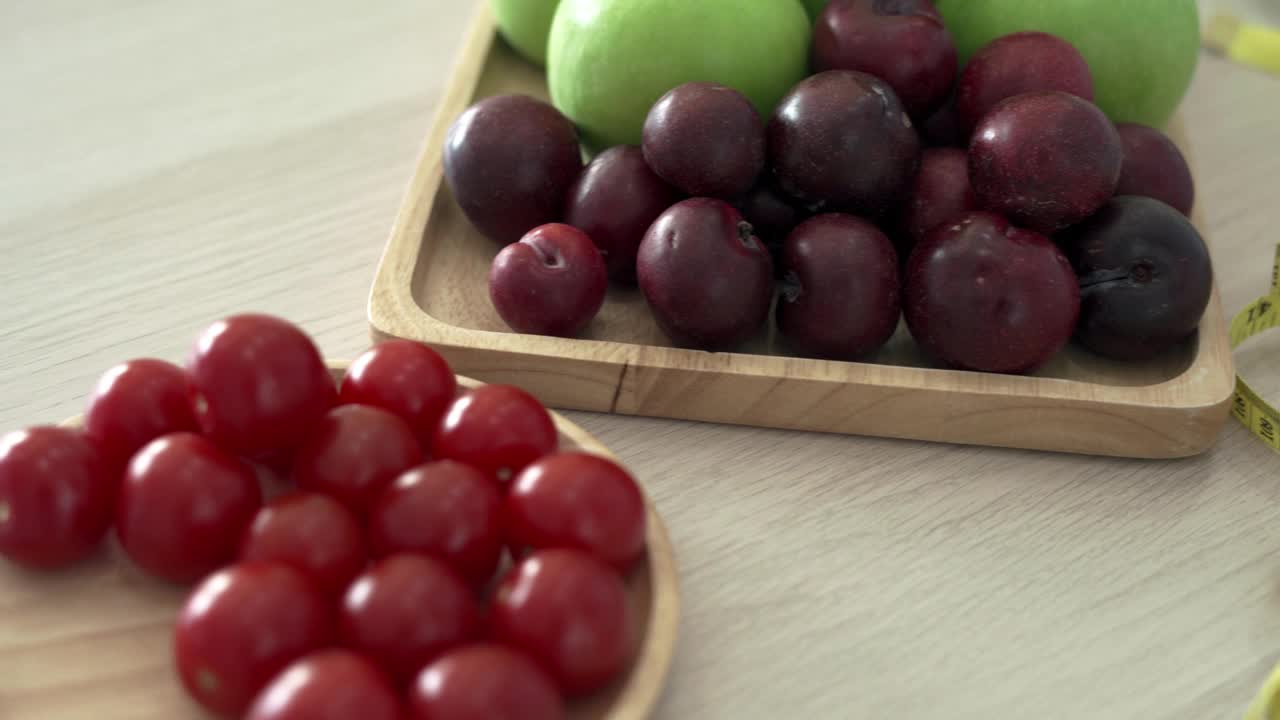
column 1142, row 52
column 526, row 24
column 814, row 7
column 610, row 60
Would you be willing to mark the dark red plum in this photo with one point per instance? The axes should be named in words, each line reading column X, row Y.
column 705, row 139
column 940, row 193
column 614, row 202
column 842, row 298
column 1145, row 278
column 1154, row 167
column 772, row 215
column 510, row 160
column 1016, row 64
column 984, row 295
column 551, row 282
column 1045, row 160
column 706, row 276
column 840, row 140
column 902, row 42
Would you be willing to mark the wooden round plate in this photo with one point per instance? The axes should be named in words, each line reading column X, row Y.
column 93, row 641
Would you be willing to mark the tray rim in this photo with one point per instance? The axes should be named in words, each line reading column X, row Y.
column 394, row 312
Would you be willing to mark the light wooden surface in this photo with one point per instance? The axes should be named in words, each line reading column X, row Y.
column 431, row 285
column 166, row 162
column 94, row 641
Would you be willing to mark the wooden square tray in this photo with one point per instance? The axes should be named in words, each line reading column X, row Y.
column 431, row 286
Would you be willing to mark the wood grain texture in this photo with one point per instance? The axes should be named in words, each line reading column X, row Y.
column 95, row 641
column 432, row 286
column 172, row 161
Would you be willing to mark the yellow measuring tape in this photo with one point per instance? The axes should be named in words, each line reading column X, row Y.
column 1264, row 706
column 1260, row 315
column 1261, row 419
column 1248, row 44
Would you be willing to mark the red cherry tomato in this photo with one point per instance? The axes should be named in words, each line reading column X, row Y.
column 580, row 501
column 444, row 509
column 136, row 402
column 311, row 533
column 405, row 611
column 570, row 612
column 183, row 507
column 354, row 454
column 262, row 384
column 242, row 626
column 57, row 496
column 406, row 378
column 328, row 685
column 496, row 428
column 484, row 682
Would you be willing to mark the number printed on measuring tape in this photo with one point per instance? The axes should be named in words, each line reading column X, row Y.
column 1258, row 316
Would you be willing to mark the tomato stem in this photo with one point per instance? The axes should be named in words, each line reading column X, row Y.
column 207, row 680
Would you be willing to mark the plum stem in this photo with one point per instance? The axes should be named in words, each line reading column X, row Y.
column 550, row 257
column 1100, row 277
column 1141, row 272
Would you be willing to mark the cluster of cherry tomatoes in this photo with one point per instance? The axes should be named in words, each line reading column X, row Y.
column 372, row 582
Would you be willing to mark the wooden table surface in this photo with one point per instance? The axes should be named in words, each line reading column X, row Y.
column 167, row 162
